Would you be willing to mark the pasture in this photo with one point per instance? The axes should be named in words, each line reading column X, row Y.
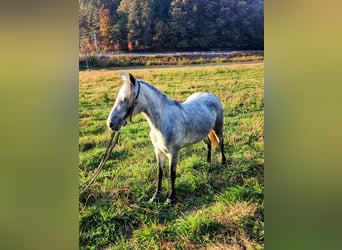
column 217, row 206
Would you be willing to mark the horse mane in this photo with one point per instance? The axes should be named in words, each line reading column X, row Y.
column 160, row 94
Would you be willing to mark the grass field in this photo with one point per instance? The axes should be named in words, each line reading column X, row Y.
column 218, row 207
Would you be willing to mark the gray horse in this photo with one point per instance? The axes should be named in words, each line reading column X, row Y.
column 173, row 124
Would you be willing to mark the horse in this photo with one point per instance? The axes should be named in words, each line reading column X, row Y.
column 173, row 125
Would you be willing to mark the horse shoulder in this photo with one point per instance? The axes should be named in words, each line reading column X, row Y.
column 173, row 127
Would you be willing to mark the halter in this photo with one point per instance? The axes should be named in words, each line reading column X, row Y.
column 131, row 108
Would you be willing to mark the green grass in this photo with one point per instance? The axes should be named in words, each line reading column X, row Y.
column 218, row 206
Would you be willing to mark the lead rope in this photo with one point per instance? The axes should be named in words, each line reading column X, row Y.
column 115, row 137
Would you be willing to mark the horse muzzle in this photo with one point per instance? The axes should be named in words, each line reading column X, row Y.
column 114, row 125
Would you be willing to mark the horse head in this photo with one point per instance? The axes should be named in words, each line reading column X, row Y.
column 125, row 102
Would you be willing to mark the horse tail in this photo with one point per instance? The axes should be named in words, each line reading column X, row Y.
column 213, row 138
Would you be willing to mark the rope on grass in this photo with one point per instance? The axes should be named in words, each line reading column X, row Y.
column 114, row 137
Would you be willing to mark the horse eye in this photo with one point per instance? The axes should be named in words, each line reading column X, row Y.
column 125, row 99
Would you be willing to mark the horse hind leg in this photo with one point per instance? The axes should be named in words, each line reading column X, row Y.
column 219, row 133
column 215, row 137
column 223, row 157
column 208, row 144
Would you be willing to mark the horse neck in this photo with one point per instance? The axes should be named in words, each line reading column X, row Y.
column 155, row 104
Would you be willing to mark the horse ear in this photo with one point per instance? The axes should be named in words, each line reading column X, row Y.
column 124, row 76
column 132, row 78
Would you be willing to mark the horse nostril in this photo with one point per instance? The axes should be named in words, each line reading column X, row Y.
column 111, row 125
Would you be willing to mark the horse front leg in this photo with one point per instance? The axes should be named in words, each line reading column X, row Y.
column 173, row 157
column 160, row 162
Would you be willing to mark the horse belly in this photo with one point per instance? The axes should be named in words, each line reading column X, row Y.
column 192, row 140
column 195, row 136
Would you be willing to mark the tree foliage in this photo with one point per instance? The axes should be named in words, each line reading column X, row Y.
column 171, row 24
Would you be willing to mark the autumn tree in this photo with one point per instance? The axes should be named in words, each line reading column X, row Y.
column 105, row 27
column 172, row 24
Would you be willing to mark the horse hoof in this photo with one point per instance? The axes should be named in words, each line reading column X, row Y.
column 154, row 199
column 169, row 201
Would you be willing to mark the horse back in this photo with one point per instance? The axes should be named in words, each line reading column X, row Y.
column 203, row 111
column 202, row 101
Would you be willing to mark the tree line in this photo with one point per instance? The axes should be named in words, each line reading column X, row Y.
column 170, row 25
